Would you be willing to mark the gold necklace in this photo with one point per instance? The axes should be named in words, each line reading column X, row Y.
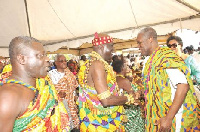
column 98, row 57
column 119, row 75
column 108, row 68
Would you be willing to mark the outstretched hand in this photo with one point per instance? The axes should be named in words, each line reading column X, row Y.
column 136, row 96
column 165, row 124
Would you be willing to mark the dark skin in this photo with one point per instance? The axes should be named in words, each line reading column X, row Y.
column 125, row 84
column 147, row 45
column 97, row 76
column 15, row 98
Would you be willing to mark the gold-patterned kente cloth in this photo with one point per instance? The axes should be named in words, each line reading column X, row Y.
column 94, row 117
column 44, row 113
column 158, row 91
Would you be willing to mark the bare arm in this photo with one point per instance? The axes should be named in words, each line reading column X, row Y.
column 180, row 95
column 124, row 84
column 9, row 110
column 99, row 79
column 166, row 122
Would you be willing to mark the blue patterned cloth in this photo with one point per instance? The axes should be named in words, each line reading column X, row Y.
column 194, row 68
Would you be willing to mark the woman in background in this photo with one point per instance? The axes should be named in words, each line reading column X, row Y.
column 135, row 121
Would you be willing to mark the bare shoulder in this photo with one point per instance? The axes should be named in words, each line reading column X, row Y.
column 9, row 106
column 97, row 65
column 97, row 76
column 124, row 83
column 97, row 69
column 9, row 100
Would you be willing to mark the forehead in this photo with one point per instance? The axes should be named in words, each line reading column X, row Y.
column 37, row 46
column 61, row 57
column 109, row 44
column 172, row 41
column 140, row 36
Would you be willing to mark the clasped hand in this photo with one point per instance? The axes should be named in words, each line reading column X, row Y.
column 164, row 123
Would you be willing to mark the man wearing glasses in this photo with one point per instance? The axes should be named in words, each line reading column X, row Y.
column 66, row 84
column 170, row 104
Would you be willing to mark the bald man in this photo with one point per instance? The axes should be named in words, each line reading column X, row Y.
column 24, row 104
column 100, row 104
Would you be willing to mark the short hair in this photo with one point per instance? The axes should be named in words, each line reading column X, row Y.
column 190, row 48
column 178, row 39
column 115, row 57
column 117, row 65
column 19, row 45
column 57, row 56
column 149, row 32
column 82, row 57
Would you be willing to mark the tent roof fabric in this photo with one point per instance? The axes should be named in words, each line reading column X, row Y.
column 70, row 23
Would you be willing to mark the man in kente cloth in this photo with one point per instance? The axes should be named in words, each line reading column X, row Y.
column 100, row 106
column 170, row 100
column 27, row 104
column 65, row 83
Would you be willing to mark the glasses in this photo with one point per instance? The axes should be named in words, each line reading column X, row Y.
column 62, row 61
column 174, row 45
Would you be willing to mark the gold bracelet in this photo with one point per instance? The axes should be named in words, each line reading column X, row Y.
column 130, row 98
column 104, row 95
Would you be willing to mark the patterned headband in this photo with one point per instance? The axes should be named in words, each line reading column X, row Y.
column 101, row 40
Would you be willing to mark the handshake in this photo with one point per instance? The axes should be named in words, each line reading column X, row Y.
column 134, row 98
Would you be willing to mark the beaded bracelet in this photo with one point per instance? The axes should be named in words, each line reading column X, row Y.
column 104, row 95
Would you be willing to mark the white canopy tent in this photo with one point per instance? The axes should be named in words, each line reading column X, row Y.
column 70, row 23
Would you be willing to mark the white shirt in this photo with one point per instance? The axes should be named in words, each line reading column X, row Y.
column 56, row 76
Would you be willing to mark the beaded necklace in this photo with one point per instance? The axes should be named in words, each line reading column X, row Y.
column 119, row 75
column 18, row 82
column 111, row 76
column 111, row 82
column 7, row 81
column 98, row 57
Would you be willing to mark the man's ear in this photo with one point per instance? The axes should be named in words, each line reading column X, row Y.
column 151, row 39
column 21, row 59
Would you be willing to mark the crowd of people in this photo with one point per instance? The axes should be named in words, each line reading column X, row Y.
column 157, row 91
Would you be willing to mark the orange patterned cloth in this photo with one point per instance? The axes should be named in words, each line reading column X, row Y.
column 68, row 84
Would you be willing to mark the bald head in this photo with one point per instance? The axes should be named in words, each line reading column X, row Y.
column 19, row 45
column 149, row 32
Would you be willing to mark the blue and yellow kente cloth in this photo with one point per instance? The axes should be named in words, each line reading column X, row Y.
column 158, row 91
column 94, row 117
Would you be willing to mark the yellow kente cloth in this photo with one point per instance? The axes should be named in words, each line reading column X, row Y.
column 7, row 68
column 94, row 117
column 7, row 71
column 158, row 91
column 45, row 113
